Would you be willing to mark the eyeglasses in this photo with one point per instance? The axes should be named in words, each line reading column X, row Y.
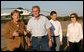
column 72, row 17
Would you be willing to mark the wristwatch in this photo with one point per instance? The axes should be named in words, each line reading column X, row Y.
column 50, row 39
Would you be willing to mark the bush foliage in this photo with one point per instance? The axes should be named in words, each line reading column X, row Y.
column 65, row 18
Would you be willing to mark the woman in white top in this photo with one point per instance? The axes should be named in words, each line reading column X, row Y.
column 74, row 33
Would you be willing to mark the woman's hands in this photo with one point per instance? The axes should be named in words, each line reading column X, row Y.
column 25, row 33
column 15, row 33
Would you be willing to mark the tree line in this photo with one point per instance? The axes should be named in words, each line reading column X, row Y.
column 65, row 18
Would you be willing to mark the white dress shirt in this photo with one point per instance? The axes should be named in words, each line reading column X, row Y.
column 56, row 29
column 38, row 27
column 75, row 32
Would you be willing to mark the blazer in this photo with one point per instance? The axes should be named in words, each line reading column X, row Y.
column 14, row 42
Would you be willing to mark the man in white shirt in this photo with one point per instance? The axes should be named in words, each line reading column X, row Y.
column 39, row 26
column 56, row 31
column 74, row 33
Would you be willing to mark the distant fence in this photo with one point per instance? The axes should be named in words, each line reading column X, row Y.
column 3, row 43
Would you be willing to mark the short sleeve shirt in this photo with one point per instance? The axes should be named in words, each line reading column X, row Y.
column 38, row 27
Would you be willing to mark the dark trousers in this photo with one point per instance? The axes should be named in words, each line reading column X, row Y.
column 19, row 49
column 74, row 46
column 53, row 43
column 56, row 43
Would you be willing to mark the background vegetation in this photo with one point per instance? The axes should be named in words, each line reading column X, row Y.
column 65, row 18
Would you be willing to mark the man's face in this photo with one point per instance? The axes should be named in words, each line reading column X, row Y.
column 36, row 12
column 15, row 16
column 54, row 16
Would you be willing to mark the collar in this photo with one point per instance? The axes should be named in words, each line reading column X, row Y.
column 38, row 18
column 13, row 22
column 53, row 20
column 75, row 23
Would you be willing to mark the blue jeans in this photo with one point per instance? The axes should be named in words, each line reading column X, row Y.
column 37, row 42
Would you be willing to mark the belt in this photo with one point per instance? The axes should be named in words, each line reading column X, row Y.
column 39, row 37
column 56, row 36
